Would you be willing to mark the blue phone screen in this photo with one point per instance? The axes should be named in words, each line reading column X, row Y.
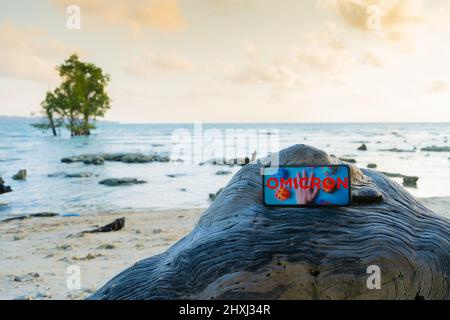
column 307, row 186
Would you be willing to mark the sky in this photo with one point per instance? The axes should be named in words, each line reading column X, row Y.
column 236, row 60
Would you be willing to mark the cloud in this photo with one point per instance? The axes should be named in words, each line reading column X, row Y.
column 321, row 55
column 230, row 6
column 258, row 72
column 145, row 64
column 438, row 86
column 162, row 14
column 371, row 59
column 322, row 51
column 29, row 54
column 396, row 18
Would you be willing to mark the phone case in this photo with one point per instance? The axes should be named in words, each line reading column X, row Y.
column 338, row 195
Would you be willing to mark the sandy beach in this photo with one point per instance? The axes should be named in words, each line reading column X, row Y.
column 36, row 252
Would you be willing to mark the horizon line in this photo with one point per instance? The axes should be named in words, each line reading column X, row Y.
column 243, row 122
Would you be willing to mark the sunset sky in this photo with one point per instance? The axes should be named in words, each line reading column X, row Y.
column 238, row 60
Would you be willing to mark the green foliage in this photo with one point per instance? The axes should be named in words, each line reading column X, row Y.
column 79, row 100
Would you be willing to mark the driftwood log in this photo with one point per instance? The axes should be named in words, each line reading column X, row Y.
column 116, row 225
column 241, row 249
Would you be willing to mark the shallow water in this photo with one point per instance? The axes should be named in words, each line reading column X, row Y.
column 23, row 147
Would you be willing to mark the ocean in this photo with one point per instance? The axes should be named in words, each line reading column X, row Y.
column 188, row 184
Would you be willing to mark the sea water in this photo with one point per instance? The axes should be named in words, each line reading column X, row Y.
column 24, row 147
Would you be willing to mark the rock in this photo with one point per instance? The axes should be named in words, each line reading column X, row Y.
column 213, row 196
column 115, row 182
column 96, row 161
column 140, row 158
column 174, row 175
column 362, row 147
column 155, row 231
column 399, row 150
column 349, row 160
column 410, row 181
column 27, row 277
column 89, row 256
column 436, row 149
column 80, row 158
column 79, row 175
column 57, row 174
column 129, row 158
column 3, row 188
column 392, row 175
column 106, row 246
column 99, row 159
column 223, row 172
column 85, row 158
column 229, row 162
column 366, row 195
column 371, row 165
column 241, row 249
column 20, row 175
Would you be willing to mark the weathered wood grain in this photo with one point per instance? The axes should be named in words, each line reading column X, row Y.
column 242, row 250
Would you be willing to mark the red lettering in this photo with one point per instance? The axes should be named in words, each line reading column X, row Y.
column 269, row 185
column 286, row 183
column 328, row 182
column 343, row 183
column 315, row 183
column 303, row 183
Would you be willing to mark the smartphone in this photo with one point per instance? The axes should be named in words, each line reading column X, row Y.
column 307, row 186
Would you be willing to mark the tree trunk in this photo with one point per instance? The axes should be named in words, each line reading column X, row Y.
column 241, row 249
column 51, row 122
column 71, row 125
column 86, row 125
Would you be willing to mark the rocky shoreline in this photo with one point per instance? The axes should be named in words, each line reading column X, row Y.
column 139, row 158
column 3, row 188
column 99, row 159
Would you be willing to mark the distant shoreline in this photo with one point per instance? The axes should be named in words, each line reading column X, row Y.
column 25, row 118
